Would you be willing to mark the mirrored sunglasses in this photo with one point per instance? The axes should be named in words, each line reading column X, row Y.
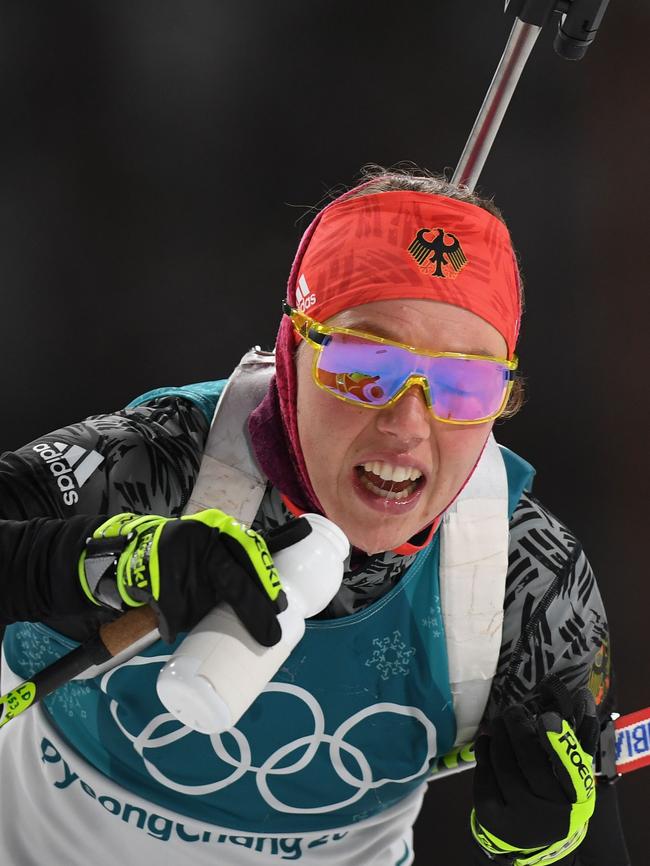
column 371, row 371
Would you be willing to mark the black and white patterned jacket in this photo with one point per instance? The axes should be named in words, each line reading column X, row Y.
column 145, row 459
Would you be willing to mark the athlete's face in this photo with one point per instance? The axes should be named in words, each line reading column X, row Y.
column 338, row 439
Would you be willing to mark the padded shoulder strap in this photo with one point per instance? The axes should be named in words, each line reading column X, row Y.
column 473, row 567
column 229, row 477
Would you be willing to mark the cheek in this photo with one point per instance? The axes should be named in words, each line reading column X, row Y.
column 311, row 418
column 314, row 415
column 325, row 425
column 461, row 447
column 309, row 403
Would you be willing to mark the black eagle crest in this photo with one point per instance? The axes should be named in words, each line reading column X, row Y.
column 438, row 252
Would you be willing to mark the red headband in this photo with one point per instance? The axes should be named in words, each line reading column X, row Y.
column 408, row 245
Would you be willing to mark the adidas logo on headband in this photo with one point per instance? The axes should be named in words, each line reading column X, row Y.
column 305, row 298
column 436, row 257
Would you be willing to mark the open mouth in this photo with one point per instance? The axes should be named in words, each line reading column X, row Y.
column 389, row 482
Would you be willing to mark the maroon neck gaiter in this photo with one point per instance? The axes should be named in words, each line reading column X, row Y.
column 281, row 463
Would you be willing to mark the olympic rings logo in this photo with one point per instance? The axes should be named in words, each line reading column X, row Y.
column 361, row 780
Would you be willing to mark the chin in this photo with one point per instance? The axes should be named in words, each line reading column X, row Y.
column 373, row 541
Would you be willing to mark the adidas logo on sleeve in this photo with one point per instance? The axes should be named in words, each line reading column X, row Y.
column 71, row 465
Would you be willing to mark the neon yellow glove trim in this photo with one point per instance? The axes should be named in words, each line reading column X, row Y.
column 527, row 856
column 579, row 767
column 555, row 852
column 252, row 542
column 492, row 843
column 110, row 528
column 138, row 563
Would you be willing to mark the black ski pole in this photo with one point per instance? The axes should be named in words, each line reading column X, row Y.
column 113, row 638
column 579, row 22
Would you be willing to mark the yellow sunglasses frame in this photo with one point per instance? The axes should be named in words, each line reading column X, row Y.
column 304, row 325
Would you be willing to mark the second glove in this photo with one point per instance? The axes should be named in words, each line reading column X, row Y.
column 534, row 786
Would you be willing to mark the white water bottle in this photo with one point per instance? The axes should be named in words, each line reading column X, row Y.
column 219, row 669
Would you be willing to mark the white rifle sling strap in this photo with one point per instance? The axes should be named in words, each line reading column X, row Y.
column 473, row 566
column 229, row 477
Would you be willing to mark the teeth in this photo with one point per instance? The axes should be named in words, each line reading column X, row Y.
column 392, row 473
column 387, row 494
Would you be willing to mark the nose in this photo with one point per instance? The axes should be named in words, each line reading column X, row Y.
column 408, row 420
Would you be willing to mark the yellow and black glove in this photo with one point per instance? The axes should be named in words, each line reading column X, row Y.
column 534, row 786
column 183, row 567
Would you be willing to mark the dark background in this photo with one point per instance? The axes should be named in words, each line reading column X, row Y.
column 156, row 159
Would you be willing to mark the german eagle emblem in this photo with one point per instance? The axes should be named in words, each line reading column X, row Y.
column 441, row 257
